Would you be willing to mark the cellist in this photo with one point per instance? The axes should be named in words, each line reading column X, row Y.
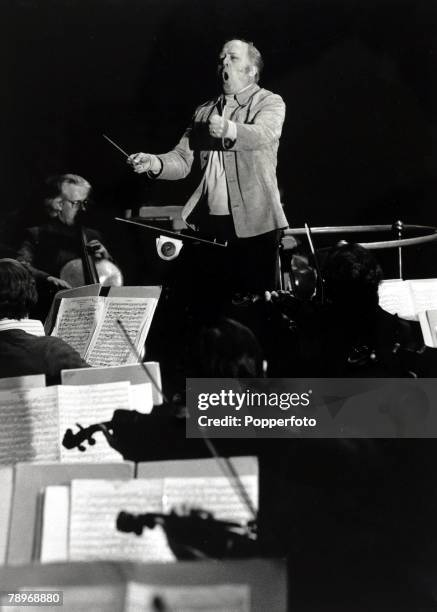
column 47, row 248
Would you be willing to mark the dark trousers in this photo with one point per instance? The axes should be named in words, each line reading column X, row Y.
column 245, row 265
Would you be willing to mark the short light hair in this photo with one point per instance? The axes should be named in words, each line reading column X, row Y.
column 53, row 188
column 254, row 56
column 53, row 184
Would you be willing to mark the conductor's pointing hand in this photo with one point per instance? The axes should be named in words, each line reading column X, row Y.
column 144, row 162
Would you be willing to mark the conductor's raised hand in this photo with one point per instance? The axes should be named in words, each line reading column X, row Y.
column 144, row 162
column 217, row 126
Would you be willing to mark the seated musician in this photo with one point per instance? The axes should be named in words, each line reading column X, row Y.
column 47, row 248
column 354, row 335
column 227, row 349
column 222, row 348
column 24, row 349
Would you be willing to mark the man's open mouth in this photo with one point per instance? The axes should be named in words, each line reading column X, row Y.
column 225, row 75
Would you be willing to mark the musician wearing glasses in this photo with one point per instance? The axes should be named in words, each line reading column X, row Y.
column 47, row 248
column 231, row 144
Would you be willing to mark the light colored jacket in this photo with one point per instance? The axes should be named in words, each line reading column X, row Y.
column 250, row 161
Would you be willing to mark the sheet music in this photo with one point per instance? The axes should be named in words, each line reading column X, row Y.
column 23, row 382
column 76, row 598
column 85, row 291
column 132, row 372
column 54, row 531
column 428, row 324
column 109, row 346
column 201, row 598
column 424, row 293
column 7, row 477
column 408, row 298
column 215, row 495
column 29, row 425
column 98, row 598
column 141, row 398
column 95, row 505
column 395, row 297
column 77, row 319
column 87, row 405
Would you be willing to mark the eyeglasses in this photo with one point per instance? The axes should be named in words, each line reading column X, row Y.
column 80, row 204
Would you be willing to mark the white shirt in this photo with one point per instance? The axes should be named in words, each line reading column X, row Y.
column 216, row 188
column 31, row 326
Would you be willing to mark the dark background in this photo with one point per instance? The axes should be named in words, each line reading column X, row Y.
column 358, row 78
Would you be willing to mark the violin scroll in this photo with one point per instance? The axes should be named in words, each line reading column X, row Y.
column 85, row 434
column 132, row 523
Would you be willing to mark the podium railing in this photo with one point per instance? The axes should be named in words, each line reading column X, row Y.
column 431, row 236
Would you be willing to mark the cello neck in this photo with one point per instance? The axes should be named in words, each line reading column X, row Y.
column 89, row 265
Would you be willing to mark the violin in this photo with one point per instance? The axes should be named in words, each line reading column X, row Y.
column 190, row 536
column 133, row 435
column 196, row 534
column 85, row 434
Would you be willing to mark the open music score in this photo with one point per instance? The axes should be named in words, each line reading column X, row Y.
column 134, row 373
column 33, row 421
column 252, row 585
column 88, row 323
column 408, row 298
column 95, row 505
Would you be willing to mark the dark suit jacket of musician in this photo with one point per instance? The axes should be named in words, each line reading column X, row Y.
column 22, row 354
column 48, row 247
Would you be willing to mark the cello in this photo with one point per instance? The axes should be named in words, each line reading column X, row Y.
column 87, row 270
